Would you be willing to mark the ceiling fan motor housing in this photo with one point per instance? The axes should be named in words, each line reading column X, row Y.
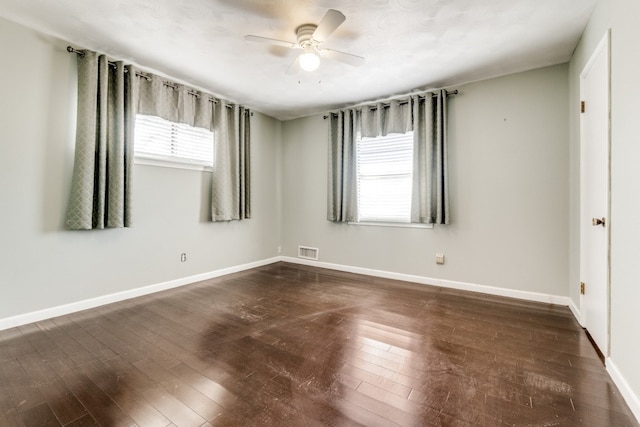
column 304, row 34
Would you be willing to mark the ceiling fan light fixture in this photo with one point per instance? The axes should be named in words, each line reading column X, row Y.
column 310, row 38
column 309, row 61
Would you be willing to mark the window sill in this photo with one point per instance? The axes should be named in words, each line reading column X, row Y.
column 392, row 224
column 170, row 164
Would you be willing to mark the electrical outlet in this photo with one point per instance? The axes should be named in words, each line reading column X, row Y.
column 439, row 258
column 279, row 249
column 183, row 257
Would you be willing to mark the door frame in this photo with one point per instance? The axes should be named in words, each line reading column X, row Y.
column 604, row 44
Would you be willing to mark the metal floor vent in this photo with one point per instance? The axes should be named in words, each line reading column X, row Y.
column 307, row 252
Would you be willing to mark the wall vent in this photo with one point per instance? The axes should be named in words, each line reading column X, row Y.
column 308, row 253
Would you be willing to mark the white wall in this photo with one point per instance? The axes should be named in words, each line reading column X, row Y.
column 41, row 264
column 621, row 16
column 508, row 156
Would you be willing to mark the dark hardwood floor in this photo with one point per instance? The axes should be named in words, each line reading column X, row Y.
column 288, row 345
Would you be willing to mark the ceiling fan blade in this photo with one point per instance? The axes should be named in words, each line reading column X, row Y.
column 347, row 58
column 267, row 40
column 294, row 67
column 331, row 21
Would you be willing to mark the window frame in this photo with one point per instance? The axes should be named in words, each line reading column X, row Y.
column 385, row 223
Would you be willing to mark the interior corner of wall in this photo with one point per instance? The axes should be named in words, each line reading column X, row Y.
column 575, row 310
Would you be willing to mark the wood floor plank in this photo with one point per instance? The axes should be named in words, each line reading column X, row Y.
column 19, row 386
column 69, row 346
column 293, row 345
column 86, row 421
column 173, row 409
column 19, row 345
column 118, row 325
column 117, row 384
column 61, row 400
column 9, row 416
column 182, row 389
column 87, row 341
column 40, row 416
column 99, row 405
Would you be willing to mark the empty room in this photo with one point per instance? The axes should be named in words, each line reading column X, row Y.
column 319, row 213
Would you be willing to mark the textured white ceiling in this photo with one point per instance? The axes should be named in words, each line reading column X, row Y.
column 408, row 44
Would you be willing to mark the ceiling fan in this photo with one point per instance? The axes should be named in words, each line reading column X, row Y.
column 310, row 38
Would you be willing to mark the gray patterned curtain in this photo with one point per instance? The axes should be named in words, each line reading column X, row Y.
column 230, row 190
column 430, row 195
column 109, row 97
column 101, row 185
column 427, row 116
column 174, row 102
column 231, row 186
column 342, row 193
column 383, row 119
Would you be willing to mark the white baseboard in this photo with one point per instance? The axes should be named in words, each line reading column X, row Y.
column 491, row 290
column 627, row 393
column 48, row 313
column 62, row 310
column 576, row 312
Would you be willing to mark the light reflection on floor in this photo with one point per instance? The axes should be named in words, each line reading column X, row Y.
column 377, row 374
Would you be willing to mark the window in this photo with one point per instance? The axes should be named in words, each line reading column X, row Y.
column 160, row 139
column 385, row 170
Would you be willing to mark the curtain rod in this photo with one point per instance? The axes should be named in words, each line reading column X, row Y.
column 145, row 76
column 386, row 105
column 80, row 53
column 77, row 52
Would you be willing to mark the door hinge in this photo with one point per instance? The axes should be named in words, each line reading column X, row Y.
column 582, row 106
column 581, row 288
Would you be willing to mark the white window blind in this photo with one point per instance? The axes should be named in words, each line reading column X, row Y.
column 385, row 170
column 160, row 139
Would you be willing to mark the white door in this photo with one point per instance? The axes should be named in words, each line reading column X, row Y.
column 594, row 195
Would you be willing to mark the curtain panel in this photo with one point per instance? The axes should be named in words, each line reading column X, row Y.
column 426, row 116
column 342, row 203
column 430, row 193
column 102, row 171
column 231, row 180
